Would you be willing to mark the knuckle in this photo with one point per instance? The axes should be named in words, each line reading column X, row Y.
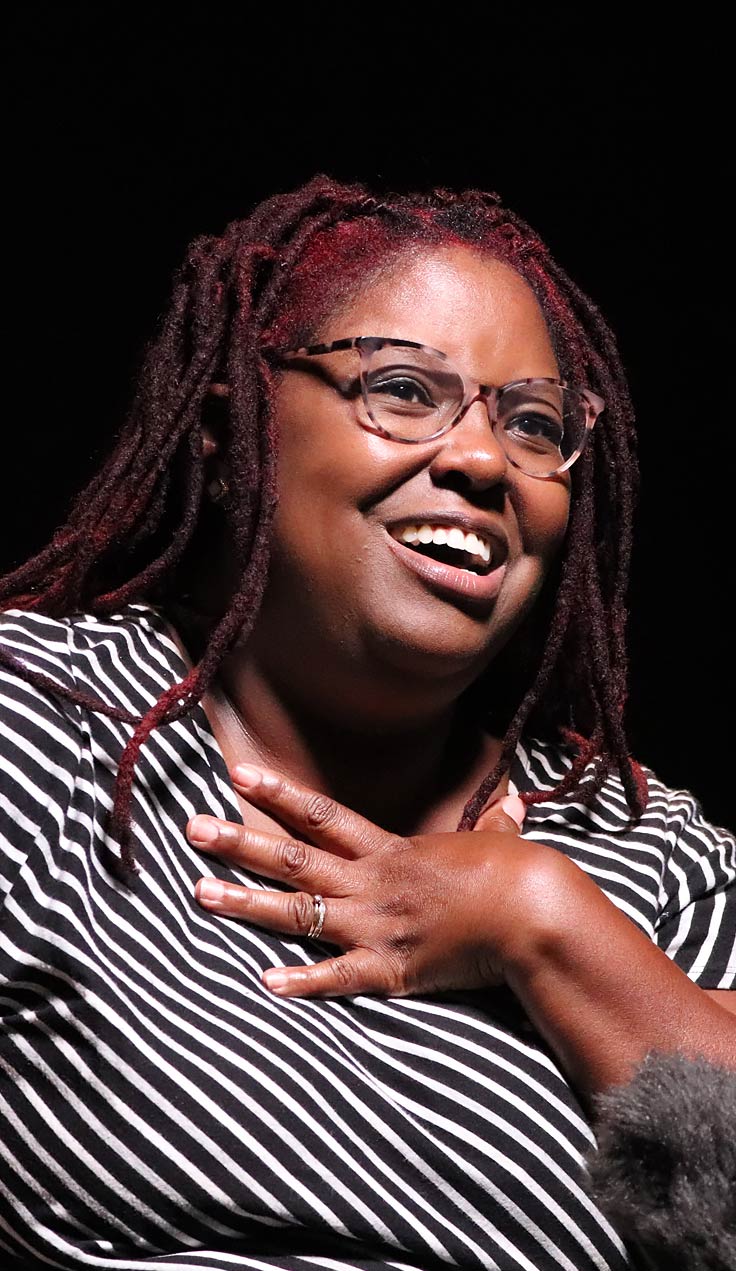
column 394, row 905
column 319, row 812
column 396, row 977
column 403, row 946
column 500, row 822
column 301, row 909
column 293, row 856
column 396, row 886
column 344, row 973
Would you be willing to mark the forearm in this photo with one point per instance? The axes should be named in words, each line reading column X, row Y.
column 600, row 992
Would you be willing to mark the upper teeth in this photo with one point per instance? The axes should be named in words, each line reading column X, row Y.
column 443, row 534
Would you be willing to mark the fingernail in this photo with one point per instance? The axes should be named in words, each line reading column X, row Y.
column 202, row 829
column 246, row 776
column 514, row 807
column 275, row 980
column 209, row 889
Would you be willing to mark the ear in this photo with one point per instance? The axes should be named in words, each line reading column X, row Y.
column 210, row 446
column 214, row 419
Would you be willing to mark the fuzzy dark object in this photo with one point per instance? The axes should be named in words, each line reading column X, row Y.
column 665, row 1169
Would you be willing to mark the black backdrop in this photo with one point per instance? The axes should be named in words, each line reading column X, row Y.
column 134, row 128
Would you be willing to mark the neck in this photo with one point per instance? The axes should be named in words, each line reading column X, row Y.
column 405, row 776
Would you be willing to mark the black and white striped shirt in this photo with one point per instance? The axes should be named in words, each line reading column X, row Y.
column 159, row 1108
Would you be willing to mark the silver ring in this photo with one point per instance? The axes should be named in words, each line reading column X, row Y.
column 318, row 919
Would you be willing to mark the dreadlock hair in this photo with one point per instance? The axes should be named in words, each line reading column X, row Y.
column 270, row 279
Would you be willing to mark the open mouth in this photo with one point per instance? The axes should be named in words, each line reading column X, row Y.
column 448, row 545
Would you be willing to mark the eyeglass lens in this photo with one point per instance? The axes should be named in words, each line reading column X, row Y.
column 414, row 395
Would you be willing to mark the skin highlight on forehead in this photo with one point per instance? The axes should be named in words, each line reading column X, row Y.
column 438, row 296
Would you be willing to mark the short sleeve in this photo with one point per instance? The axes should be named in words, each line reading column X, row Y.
column 696, row 926
column 40, row 743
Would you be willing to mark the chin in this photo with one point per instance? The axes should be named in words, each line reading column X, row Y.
column 441, row 638
column 454, row 651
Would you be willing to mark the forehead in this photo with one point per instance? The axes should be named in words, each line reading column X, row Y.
column 473, row 307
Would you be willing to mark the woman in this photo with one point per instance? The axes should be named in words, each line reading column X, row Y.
column 286, row 984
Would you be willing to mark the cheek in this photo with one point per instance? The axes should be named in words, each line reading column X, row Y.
column 320, row 448
column 308, row 466
column 327, row 472
column 330, row 470
column 542, row 513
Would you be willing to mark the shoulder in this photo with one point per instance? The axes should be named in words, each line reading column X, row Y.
column 40, row 734
column 598, row 830
column 36, row 643
column 125, row 660
column 54, row 744
column 670, row 812
column 38, row 716
column 671, row 870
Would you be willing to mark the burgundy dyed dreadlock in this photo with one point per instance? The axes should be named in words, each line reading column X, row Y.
column 261, row 283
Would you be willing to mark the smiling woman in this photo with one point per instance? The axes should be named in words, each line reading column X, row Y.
column 377, row 617
column 323, row 857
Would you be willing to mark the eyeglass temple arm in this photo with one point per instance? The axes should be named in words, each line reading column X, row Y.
column 218, row 389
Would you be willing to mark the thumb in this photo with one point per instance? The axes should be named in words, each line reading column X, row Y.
column 506, row 815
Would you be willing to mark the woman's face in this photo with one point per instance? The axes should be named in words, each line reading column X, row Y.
column 343, row 595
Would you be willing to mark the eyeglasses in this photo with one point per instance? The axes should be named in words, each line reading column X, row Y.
column 411, row 393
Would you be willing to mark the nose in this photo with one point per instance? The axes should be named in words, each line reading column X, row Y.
column 472, row 450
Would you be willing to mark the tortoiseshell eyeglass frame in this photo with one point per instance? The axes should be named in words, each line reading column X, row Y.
column 473, row 391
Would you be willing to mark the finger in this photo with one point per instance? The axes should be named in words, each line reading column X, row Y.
column 324, row 821
column 286, row 859
column 505, row 816
column 290, row 913
column 359, row 971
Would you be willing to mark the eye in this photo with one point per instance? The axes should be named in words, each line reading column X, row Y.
column 535, row 427
column 404, row 389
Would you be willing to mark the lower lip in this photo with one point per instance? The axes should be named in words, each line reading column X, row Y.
column 446, row 579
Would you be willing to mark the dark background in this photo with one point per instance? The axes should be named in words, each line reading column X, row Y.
column 133, row 129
